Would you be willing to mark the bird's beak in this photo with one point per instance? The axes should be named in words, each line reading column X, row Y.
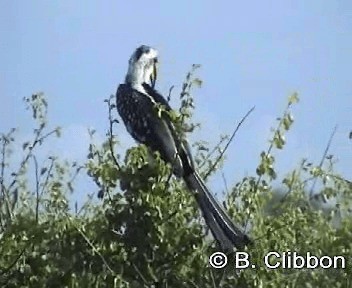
column 154, row 74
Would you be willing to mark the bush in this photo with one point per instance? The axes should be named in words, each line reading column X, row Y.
column 147, row 230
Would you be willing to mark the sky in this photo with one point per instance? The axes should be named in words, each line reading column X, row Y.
column 253, row 53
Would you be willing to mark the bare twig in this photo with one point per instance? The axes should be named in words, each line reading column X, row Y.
column 37, row 140
column 265, row 235
column 221, row 278
column 4, row 193
column 7, row 269
column 170, row 91
column 48, row 173
column 322, row 161
column 167, row 184
column 86, row 204
column 74, row 176
column 228, row 142
column 185, row 91
column 271, row 146
column 348, row 182
column 225, row 182
column 37, row 196
column 236, row 192
column 213, row 278
column 140, row 274
column 193, row 283
column 211, row 153
column 85, row 237
column 111, row 135
column 41, row 139
column 4, row 140
column 283, row 199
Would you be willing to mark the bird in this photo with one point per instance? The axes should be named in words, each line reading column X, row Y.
column 137, row 103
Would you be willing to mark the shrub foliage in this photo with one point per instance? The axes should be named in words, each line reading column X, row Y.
column 146, row 230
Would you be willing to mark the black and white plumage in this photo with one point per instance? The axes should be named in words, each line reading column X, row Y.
column 136, row 102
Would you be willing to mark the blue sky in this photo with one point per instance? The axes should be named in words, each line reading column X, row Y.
column 252, row 53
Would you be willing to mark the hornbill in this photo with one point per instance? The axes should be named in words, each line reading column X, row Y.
column 137, row 103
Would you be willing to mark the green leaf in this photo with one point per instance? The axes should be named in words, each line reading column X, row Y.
column 293, row 99
column 25, row 145
column 58, row 131
column 43, row 170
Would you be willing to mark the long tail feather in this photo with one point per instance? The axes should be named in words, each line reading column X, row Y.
column 226, row 233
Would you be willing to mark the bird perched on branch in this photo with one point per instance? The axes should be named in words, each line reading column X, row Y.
column 137, row 102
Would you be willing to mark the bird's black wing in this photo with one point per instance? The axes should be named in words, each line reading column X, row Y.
column 224, row 230
column 148, row 125
column 143, row 121
column 183, row 147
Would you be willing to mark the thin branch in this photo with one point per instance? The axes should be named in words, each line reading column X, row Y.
column 336, row 177
column 167, row 184
column 85, row 237
column 271, row 146
column 3, row 161
column 4, row 192
column 140, row 274
column 221, row 278
column 211, row 153
column 340, row 179
column 322, row 161
column 265, row 235
column 236, row 192
column 74, row 176
column 213, row 278
column 7, row 269
column 170, row 91
column 37, row 195
column 41, row 139
column 283, row 199
column 186, row 87
column 48, row 175
column 225, row 182
column 111, row 136
column 38, row 139
column 228, row 142
column 171, row 215
column 86, row 204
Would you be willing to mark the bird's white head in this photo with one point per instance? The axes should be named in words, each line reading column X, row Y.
column 142, row 67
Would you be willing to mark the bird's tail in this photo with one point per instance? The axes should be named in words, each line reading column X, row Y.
column 226, row 233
